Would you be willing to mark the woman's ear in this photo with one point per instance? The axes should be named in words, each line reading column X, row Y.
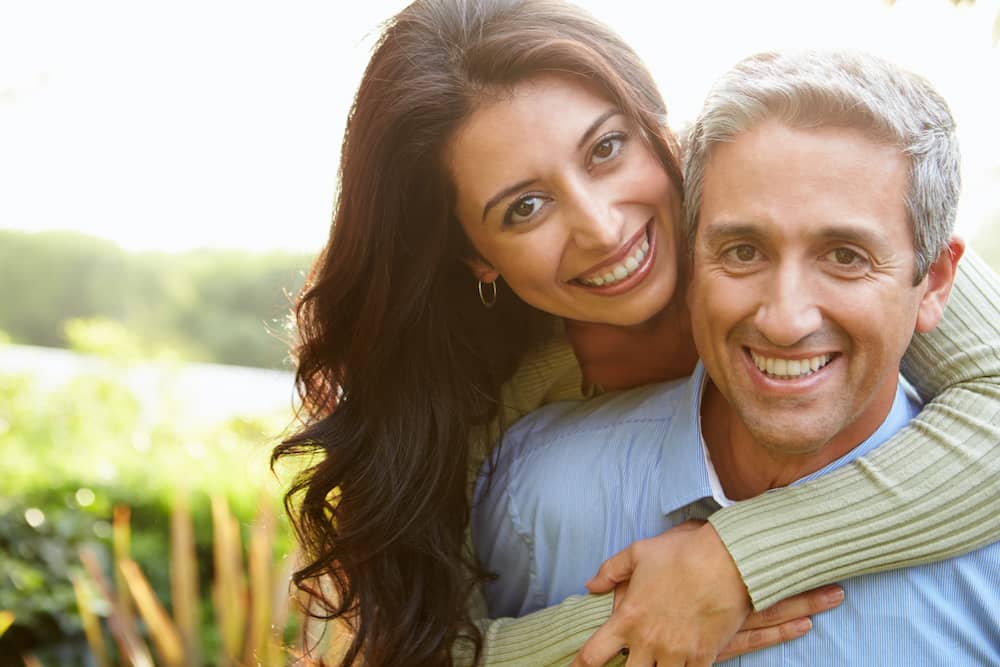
column 482, row 270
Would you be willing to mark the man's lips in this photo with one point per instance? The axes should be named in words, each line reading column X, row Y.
column 786, row 368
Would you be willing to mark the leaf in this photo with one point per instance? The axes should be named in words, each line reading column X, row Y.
column 91, row 624
column 165, row 636
column 129, row 642
column 184, row 579
column 229, row 587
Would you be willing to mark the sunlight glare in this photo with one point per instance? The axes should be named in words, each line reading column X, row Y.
column 218, row 124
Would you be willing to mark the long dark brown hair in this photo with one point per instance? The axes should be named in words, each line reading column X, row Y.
column 399, row 364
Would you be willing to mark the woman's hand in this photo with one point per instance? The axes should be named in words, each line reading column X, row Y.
column 680, row 600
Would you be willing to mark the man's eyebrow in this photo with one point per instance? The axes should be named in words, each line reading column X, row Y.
column 716, row 231
column 863, row 236
column 584, row 138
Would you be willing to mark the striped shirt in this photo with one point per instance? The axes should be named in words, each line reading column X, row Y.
column 576, row 482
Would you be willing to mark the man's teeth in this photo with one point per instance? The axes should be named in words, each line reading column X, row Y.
column 789, row 368
column 619, row 272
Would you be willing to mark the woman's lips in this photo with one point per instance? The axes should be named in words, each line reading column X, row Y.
column 627, row 267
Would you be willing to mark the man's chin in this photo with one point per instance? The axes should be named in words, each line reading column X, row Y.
column 798, row 438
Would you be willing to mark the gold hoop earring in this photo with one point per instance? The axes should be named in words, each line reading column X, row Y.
column 492, row 300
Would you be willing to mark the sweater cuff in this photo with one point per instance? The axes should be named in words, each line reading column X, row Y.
column 547, row 637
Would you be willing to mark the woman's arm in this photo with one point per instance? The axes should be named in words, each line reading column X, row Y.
column 547, row 638
column 928, row 494
column 552, row 636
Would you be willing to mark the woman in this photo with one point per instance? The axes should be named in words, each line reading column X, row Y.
column 410, row 364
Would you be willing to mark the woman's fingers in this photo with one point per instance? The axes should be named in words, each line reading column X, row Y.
column 746, row 641
column 641, row 658
column 619, row 567
column 647, row 623
column 786, row 620
column 613, row 571
column 782, row 622
column 798, row 606
column 602, row 646
column 682, row 603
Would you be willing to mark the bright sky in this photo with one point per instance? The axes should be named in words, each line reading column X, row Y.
column 209, row 123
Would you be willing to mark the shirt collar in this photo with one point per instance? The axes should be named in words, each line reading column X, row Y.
column 684, row 475
column 685, row 472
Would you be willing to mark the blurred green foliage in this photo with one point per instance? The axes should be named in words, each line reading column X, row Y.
column 228, row 307
column 987, row 242
column 72, row 452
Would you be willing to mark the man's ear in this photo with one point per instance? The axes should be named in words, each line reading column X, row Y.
column 482, row 269
column 940, row 278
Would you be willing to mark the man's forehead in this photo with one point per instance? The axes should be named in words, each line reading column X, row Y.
column 831, row 178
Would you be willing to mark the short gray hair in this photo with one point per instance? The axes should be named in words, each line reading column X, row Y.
column 839, row 88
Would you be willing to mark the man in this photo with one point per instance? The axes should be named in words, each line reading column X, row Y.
column 821, row 192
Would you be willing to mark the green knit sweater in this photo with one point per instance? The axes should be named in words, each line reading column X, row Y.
column 929, row 493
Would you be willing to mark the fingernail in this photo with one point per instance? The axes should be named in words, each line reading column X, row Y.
column 836, row 596
column 802, row 625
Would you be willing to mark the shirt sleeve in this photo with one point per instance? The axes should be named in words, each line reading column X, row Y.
column 927, row 494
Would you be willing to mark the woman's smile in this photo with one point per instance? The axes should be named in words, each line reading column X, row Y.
column 561, row 196
column 625, row 269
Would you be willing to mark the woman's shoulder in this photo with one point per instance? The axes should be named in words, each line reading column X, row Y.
column 550, row 372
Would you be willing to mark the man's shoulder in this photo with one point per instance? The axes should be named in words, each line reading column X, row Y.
column 594, row 420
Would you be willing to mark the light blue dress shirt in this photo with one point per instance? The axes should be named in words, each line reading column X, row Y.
column 576, row 482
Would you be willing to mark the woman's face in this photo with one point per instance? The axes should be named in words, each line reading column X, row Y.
column 561, row 196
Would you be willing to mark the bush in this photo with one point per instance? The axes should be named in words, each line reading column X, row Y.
column 73, row 453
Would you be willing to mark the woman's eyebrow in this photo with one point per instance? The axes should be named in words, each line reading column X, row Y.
column 596, row 125
column 503, row 194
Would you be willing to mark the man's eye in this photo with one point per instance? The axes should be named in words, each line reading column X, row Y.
column 608, row 147
column 844, row 256
column 743, row 253
column 522, row 209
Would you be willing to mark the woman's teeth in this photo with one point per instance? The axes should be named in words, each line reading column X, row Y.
column 619, row 272
column 789, row 368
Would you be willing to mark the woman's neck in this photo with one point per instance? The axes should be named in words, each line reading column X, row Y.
column 619, row 357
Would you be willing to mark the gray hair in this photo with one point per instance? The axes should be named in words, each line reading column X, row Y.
column 805, row 89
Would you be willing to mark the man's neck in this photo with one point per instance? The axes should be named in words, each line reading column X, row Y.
column 746, row 467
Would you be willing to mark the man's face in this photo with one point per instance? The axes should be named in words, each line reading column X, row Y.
column 802, row 294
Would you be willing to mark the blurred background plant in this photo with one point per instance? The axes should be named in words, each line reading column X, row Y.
column 223, row 306
column 120, row 430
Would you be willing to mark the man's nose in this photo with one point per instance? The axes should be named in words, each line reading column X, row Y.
column 788, row 311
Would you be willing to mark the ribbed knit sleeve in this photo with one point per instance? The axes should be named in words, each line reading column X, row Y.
column 929, row 493
column 544, row 638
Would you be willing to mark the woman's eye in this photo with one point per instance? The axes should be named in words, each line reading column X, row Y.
column 522, row 209
column 608, row 147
